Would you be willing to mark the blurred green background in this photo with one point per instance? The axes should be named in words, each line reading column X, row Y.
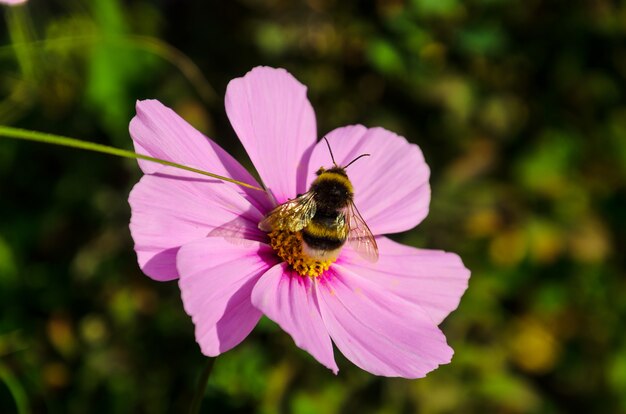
column 518, row 106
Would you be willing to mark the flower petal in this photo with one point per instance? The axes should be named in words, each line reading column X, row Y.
column 289, row 300
column 381, row 333
column 216, row 280
column 159, row 132
column 433, row 279
column 269, row 110
column 391, row 187
column 175, row 207
column 12, row 2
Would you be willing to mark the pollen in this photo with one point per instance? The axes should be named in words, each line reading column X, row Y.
column 288, row 245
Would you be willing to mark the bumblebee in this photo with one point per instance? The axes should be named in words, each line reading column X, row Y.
column 325, row 217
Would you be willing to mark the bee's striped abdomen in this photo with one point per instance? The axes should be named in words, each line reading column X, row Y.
column 325, row 234
column 322, row 243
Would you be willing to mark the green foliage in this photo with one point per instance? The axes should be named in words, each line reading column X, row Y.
column 112, row 69
column 517, row 106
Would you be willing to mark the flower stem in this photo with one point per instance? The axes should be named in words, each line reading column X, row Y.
column 201, row 389
column 15, row 389
column 24, row 134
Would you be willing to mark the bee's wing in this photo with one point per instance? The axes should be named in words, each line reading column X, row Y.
column 236, row 232
column 292, row 215
column 360, row 236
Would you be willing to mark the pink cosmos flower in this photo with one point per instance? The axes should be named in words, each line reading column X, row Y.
column 12, row 2
column 383, row 316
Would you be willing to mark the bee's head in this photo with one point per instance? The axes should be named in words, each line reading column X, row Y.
column 332, row 189
column 332, row 170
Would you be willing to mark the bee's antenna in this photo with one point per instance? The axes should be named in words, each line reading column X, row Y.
column 360, row 156
column 331, row 151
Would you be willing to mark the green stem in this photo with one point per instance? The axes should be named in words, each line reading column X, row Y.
column 27, row 135
column 21, row 33
column 15, row 388
column 196, row 403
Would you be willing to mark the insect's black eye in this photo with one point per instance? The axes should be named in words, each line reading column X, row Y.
column 320, row 171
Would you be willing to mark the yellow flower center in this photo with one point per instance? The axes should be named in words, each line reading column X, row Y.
column 288, row 246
